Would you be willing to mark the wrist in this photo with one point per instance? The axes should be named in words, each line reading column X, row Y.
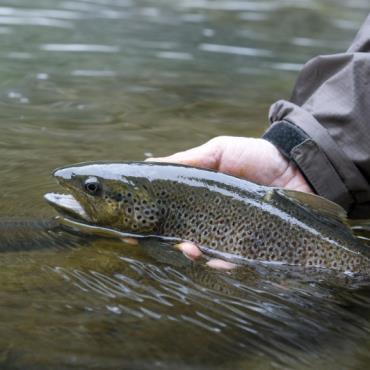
column 286, row 174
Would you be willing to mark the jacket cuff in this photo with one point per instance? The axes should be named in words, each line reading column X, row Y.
column 350, row 177
column 296, row 145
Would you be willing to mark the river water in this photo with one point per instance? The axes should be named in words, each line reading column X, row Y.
column 124, row 80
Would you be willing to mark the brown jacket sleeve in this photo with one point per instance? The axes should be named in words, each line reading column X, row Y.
column 330, row 109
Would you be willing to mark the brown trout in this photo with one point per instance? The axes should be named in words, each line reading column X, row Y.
column 226, row 216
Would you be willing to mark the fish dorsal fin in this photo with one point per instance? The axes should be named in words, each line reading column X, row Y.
column 315, row 203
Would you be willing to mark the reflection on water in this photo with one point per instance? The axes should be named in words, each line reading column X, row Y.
column 120, row 79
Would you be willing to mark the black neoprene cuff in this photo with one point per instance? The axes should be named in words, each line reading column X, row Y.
column 285, row 136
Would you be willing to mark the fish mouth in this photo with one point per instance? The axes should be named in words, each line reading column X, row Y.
column 67, row 205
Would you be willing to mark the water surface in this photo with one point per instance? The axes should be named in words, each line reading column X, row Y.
column 121, row 80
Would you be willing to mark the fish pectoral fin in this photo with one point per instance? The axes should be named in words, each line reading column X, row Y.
column 315, row 203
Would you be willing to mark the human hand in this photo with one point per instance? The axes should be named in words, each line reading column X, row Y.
column 256, row 160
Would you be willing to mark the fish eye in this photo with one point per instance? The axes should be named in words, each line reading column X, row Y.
column 92, row 186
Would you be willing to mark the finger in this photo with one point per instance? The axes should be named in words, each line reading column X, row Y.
column 220, row 264
column 130, row 241
column 205, row 156
column 190, row 250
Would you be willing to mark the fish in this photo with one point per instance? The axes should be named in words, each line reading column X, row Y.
column 226, row 216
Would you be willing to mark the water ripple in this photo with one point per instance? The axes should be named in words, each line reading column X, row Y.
column 174, row 55
column 93, row 73
column 35, row 21
column 43, row 13
column 230, row 5
column 92, row 11
column 237, row 50
column 80, row 48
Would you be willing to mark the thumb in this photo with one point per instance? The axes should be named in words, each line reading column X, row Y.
column 205, row 156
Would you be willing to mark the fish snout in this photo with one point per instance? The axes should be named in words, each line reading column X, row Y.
column 64, row 174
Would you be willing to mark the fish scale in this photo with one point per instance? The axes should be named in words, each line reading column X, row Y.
column 219, row 212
